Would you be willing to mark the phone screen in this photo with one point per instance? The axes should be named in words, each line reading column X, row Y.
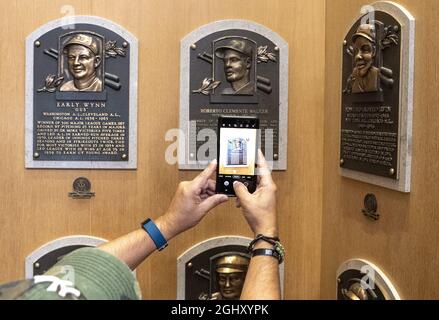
column 236, row 153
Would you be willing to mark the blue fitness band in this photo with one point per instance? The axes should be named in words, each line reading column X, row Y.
column 157, row 237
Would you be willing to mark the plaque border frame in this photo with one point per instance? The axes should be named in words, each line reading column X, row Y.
column 30, row 163
column 57, row 244
column 387, row 287
column 407, row 22
column 208, row 244
column 195, row 36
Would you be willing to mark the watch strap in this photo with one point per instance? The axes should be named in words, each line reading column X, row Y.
column 157, row 237
column 267, row 252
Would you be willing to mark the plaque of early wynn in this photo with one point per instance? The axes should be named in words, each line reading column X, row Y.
column 81, row 95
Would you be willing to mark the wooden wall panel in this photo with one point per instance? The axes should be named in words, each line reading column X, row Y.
column 404, row 242
column 34, row 206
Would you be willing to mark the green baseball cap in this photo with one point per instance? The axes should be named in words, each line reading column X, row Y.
column 97, row 275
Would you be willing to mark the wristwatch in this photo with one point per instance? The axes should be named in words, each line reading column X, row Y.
column 157, row 237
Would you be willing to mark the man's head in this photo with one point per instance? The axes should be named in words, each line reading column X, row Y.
column 82, row 55
column 365, row 48
column 237, row 57
column 231, row 271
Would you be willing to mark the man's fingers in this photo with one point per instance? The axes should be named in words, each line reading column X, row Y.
column 241, row 190
column 209, row 188
column 262, row 164
column 263, row 170
column 211, row 202
column 204, row 196
column 238, row 203
column 202, row 178
column 211, row 185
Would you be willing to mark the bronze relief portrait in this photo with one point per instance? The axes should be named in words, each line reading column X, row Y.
column 235, row 66
column 367, row 49
column 237, row 56
column 227, row 276
column 364, row 77
column 81, row 58
column 81, row 62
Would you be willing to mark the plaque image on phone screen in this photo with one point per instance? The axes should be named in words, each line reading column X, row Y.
column 237, row 153
column 238, row 149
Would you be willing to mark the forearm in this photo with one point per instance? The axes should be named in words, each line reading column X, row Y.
column 262, row 281
column 136, row 246
column 192, row 200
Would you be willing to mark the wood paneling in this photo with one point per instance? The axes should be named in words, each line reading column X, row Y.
column 404, row 242
column 34, row 206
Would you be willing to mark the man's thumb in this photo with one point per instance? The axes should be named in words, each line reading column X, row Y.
column 240, row 190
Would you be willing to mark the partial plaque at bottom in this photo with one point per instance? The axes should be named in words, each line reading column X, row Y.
column 215, row 269
column 359, row 279
column 46, row 256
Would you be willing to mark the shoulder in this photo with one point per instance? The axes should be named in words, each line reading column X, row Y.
column 68, row 86
column 228, row 91
column 249, row 88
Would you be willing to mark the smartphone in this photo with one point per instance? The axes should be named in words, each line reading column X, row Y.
column 236, row 153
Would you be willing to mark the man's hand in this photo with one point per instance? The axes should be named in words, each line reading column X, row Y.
column 191, row 203
column 259, row 208
column 262, row 279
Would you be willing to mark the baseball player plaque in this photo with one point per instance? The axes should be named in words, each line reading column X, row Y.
column 81, row 95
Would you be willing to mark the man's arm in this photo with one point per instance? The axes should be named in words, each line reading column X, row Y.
column 190, row 204
column 262, row 281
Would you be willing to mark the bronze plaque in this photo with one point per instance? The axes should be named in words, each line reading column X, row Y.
column 217, row 274
column 81, row 96
column 46, row 256
column 359, row 279
column 352, row 287
column 215, row 269
column 234, row 68
column 376, row 110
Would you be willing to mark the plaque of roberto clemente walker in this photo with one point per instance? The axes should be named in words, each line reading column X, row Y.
column 377, row 97
column 81, row 95
column 234, row 68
